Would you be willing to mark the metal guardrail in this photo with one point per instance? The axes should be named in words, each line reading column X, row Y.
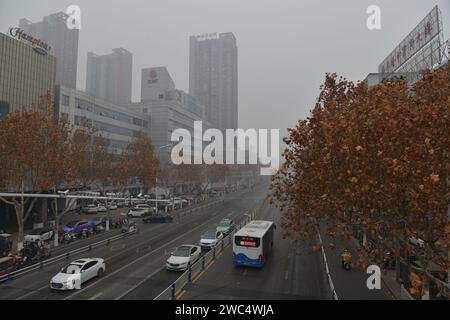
column 171, row 292
column 39, row 265
column 65, row 256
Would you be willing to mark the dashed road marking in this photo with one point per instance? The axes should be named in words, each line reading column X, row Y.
column 96, row 296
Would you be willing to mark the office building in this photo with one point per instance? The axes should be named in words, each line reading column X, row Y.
column 168, row 108
column 27, row 71
column 117, row 125
column 63, row 42
column 109, row 76
column 213, row 77
column 155, row 82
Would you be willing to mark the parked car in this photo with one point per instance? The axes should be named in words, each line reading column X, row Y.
column 77, row 226
column 162, row 203
column 76, row 273
column 98, row 221
column 210, row 239
column 183, row 257
column 90, row 208
column 137, row 212
column 121, row 204
column 148, row 208
column 101, row 208
column 226, row 226
column 41, row 234
column 158, row 218
column 112, row 206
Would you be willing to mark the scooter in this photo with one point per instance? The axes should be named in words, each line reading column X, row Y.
column 69, row 237
column 346, row 259
column 346, row 265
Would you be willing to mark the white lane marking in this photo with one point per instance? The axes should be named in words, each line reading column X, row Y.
column 95, row 296
column 82, row 255
column 138, row 259
column 286, row 275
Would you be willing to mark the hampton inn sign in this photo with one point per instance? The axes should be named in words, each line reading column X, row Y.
column 38, row 44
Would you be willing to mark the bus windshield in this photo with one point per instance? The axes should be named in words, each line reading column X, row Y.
column 247, row 241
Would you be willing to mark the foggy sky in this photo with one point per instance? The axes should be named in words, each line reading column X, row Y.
column 285, row 47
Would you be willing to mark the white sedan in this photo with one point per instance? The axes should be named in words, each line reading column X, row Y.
column 148, row 208
column 112, row 206
column 101, row 208
column 183, row 257
column 90, row 208
column 74, row 274
column 137, row 212
column 210, row 239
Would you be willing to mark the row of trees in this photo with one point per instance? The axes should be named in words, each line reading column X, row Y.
column 376, row 158
column 40, row 153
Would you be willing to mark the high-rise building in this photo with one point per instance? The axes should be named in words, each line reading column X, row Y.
column 213, row 77
column 109, row 76
column 63, row 42
column 168, row 108
column 155, row 82
column 26, row 71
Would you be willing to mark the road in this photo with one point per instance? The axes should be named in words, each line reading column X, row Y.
column 135, row 265
column 286, row 276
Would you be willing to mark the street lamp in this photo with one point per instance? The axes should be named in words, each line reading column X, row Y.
column 156, row 178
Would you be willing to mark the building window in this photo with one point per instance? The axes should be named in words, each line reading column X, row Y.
column 4, row 109
column 83, row 104
column 65, row 100
column 161, row 96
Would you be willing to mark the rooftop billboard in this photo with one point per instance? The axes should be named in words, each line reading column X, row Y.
column 421, row 49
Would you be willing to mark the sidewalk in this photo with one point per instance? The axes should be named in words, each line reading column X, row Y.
column 351, row 285
column 71, row 216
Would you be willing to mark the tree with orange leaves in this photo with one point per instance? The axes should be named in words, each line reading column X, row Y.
column 32, row 146
column 139, row 161
column 376, row 158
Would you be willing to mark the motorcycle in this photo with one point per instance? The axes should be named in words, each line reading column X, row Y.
column 129, row 227
column 69, row 237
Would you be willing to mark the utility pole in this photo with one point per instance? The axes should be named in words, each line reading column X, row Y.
column 156, row 178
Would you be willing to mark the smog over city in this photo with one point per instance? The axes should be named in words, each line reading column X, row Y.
column 213, row 150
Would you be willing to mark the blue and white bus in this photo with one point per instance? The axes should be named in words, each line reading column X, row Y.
column 253, row 244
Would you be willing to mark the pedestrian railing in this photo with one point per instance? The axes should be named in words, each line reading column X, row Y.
column 173, row 291
column 327, row 271
column 38, row 266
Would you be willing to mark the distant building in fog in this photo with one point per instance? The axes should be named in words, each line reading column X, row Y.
column 169, row 109
column 155, row 82
column 63, row 41
column 213, row 77
column 109, row 76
